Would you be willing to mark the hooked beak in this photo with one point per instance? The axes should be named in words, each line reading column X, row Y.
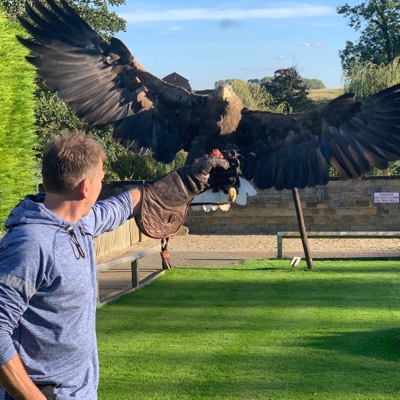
column 225, row 93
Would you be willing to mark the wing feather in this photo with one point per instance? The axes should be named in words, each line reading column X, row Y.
column 295, row 150
column 104, row 84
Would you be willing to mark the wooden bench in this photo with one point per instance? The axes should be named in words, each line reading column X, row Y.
column 134, row 260
column 332, row 235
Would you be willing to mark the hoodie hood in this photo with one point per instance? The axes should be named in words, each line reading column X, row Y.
column 32, row 210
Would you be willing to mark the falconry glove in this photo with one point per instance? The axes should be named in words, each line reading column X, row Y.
column 165, row 201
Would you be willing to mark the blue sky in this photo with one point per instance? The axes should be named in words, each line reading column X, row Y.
column 206, row 41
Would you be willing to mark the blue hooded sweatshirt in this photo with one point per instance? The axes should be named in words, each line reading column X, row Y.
column 48, row 288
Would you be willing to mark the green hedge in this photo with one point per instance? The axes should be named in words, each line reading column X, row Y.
column 17, row 131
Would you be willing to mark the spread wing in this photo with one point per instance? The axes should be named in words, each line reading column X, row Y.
column 287, row 151
column 104, row 84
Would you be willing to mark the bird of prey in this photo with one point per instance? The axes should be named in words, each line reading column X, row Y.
column 105, row 85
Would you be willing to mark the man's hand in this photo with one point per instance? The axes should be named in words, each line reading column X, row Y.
column 229, row 177
column 17, row 383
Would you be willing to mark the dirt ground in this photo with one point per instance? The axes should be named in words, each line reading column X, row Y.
column 265, row 246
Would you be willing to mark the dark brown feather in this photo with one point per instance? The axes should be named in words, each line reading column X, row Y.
column 104, row 84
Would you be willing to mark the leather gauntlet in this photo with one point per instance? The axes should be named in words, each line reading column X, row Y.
column 165, row 201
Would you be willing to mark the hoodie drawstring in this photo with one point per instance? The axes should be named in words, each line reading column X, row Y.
column 71, row 232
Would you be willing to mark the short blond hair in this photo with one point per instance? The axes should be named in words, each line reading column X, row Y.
column 68, row 159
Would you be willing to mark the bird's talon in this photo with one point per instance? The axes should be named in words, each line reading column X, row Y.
column 232, row 194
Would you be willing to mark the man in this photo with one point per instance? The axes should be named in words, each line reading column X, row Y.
column 47, row 264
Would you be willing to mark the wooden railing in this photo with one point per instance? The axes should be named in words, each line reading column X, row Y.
column 134, row 260
column 336, row 235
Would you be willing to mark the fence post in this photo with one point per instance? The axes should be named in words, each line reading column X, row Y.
column 135, row 273
column 279, row 244
column 302, row 228
column 98, row 303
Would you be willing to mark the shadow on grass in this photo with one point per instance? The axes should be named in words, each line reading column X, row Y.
column 220, row 373
column 235, row 267
column 379, row 344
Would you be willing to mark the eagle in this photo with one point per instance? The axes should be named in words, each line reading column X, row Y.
column 105, row 85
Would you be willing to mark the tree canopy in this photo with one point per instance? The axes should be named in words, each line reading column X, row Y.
column 378, row 22
column 371, row 78
column 309, row 83
column 96, row 13
column 288, row 88
column 287, row 91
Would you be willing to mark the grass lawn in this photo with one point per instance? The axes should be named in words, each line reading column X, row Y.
column 257, row 330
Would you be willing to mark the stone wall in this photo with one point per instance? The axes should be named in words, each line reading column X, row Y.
column 339, row 206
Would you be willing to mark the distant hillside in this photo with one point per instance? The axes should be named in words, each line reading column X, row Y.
column 324, row 95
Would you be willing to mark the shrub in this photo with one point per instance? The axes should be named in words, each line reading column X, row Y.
column 17, row 137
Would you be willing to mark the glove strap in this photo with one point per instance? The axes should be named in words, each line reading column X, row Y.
column 165, row 259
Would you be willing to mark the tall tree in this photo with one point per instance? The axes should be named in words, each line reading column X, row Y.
column 17, row 130
column 289, row 90
column 95, row 12
column 378, row 22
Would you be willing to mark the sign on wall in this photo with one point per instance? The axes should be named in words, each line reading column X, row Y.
column 386, row 197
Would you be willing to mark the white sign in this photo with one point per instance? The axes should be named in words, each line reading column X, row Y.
column 386, row 197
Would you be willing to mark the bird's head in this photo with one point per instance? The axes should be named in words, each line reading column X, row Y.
column 226, row 107
column 223, row 92
column 226, row 92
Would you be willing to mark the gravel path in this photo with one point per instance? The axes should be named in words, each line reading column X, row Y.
column 265, row 246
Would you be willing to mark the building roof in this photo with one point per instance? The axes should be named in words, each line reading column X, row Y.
column 177, row 80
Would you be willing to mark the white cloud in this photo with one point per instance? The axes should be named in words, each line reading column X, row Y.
column 192, row 14
column 175, row 28
column 315, row 45
column 171, row 30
